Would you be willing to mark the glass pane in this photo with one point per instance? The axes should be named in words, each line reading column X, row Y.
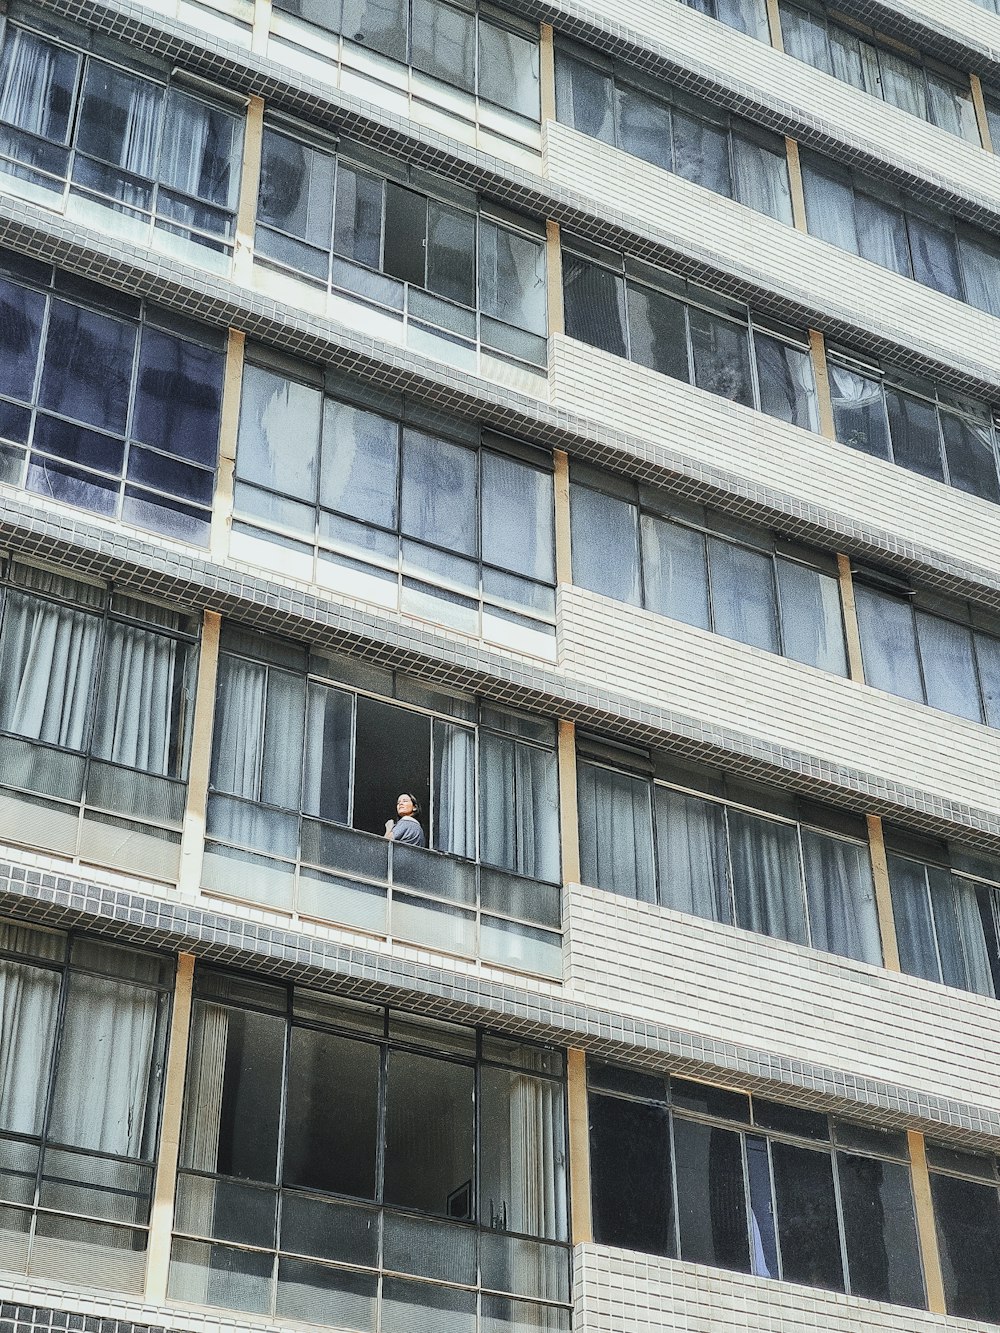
column 859, row 414
column 701, row 153
column 691, row 856
column 631, row 1188
column 889, row 643
column 451, row 252
column 233, row 1092
column 949, row 668
column 657, row 332
column 517, row 522
column 882, row 234
column 674, row 571
column 21, row 313
column 119, row 118
column 968, row 1229
column 971, row 452
column 743, row 596
column 508, row 70
column 357, row 230
column 405, row 249
column 812, row 628
column 605, row 544
column 330, row 1296
column 378, row 24
column 360, row 463
column 48, row 654
column 178, row 397
column 217, row 1275
column 87, row 370
column 412, row 1307
column 585, row 98
column 37, row 82
column 902, row 83
column 786, row 381
column 721, row 356
column 429, row 1136
column 29, row 1001
column 829, row 197
column 594, row 300
column 763, row 1235
column 511, row 277
column 443, row 42
column 841, row 896
column 767, row 881
column 519, row 810
column 988, row 658
column 980, row 256
column 616, row 835
column 644, row 127
column 911, row 911
column 326, row 787
column 200, row 154
column 522, row 1167
column 935, row 257
column 276, row 411
column 711, row 1196
column 761, row 178
column 807, row 1217
column 332, row 1113
column 439, row 502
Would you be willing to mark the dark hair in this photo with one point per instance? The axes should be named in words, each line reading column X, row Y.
column 416, row 803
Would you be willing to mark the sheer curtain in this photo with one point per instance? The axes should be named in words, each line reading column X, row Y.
column 47, row 659
column 616, row 835
column 139, row 704
column 762, row 179
column 841, row 895
column 767, row 882
column 537, row 1158
column 520, row 807
column 454, row 789
column 29, row 1003
column 859, row 411
column 106, row 1084
column 184, row 155
column 787, row 382
column 206, row 1076
column 691, row 851
column 29, row 74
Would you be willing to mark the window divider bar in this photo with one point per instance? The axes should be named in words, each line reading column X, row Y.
column 193, row 836
column 569, row 828
column 821, row 374
column 883, row 894
column 774, row 24
column 795, row 185
column 852, row 630
column 564, row 550
column 578, row 1116
column 979, row 106
column 162, row 1211
column 546, row 71
column 229, row 427
column 926, row 1231
column 253, row 147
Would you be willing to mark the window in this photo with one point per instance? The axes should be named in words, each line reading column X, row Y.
column 922, row 426
column 84, row 1035
column 749, row 16
column 726, row 851
column 946, row 911
column 897, row 231
column 670, row 325
column 107, row 404
column 642, row 546
column 717, row 1177
column 930, row 649
column 386, row 506
column 967, row 1218
column 332, row 1151
column 673, row 130
column 117, row 149
column 95, row 693
column 923, row 88
column 309, row 756
column 458, row 274
column 470, row 47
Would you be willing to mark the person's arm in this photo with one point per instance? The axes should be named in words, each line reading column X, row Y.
column 390, row 824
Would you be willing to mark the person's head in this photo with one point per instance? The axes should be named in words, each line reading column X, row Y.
column 407, row 805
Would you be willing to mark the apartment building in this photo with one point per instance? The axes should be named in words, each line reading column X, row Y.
column 583, row 418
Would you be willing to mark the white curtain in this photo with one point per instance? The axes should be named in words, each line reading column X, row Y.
column 454, row 789
column 979, row 977
column 206, row 1074
column 138, row 714
column 767, row 881
column 787, row 382
column 138, row 141
column 537, row 1156
column 107, row 1083
column 29, row 1002
column 185, row 140
column 803, row 36
column 829, row 205
column 903, row 84
column 762, row 179
column 616, row 833
column 26, row 93
column 841, row 895
column 520, row 807
column 239, row 727
column 47, row 658
column 859, row 411
column 691, row 849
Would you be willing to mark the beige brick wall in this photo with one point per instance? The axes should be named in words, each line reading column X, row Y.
column 768, row 697
column 721, row 983
column 725, row 234
column 618, row 1291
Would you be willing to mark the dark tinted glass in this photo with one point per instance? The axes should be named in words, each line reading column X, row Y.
column 880, row 1230
column 859, row 411
column 630, row 1180
column 657, row 332
column 972, row 464
column 711, row 1196
column 405, row 234
column 644, row 127
column 719, row 1102
column 178, row 397
column 332, row 1113
column 451, row 253
column 721, row 356
column 968, row 1228
column 594, row 305
column 20, row 326
column 429, row 1136
column 378, row 24
column 88, row 366
column 790, row 1120
column 807, row 1217
column 914, row 429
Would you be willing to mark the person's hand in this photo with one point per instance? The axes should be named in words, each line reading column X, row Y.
column 390, row 824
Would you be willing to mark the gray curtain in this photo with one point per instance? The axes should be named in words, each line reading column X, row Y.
column 691, row 855
column 767, row 881
column 454, row 814
column 519, row 803
column 841, row 895
column 29, row 1003
column 47, row 658
column 616, row 834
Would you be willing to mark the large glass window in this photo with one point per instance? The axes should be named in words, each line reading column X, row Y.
column 473, row 48
column 727, row 851
column 923, row 88
column 946, row 911
column 107, row 404
column 964, row 1188
column 95, row 696
column 82, row 1048
column 385, row 501
column 332, row 1151
column 749, row 16
column 121, row 150
column 673, row 130
column 756, row 1186
column 937, row 651
column 444, row 271
column 670, row 325
column 681, row 560
column 310, row 754
column 920, row 425
column 897, row 231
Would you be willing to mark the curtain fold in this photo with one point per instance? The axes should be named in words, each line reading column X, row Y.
column 454, row 789
column 137, row 721
column 29, row 1003
column 767, row 881
column 691, row 854
column 206, row 1077
column 47, row 659
column 616, row 835
column 841, row 895
column 30, row 77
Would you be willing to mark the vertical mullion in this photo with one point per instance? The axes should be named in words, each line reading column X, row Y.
column 926, row 1230
column 581, row 1215
column 192, row 848
column 841, row 1228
